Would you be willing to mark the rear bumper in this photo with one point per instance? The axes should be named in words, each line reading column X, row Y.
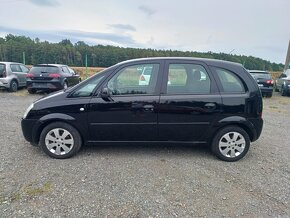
column 267, row 90
column 51, row 85
column 4, row 83
column 258, row 127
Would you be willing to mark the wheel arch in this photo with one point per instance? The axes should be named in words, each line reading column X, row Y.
column 236, row 121
column 52, row 118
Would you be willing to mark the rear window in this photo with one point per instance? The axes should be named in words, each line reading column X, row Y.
column 2, row 69
column 44, row 69
column 261, row 75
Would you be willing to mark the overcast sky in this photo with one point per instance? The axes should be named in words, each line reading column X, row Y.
column 260, row 28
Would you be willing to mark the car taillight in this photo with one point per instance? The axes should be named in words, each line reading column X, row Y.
column 54, row 75
column 142, row 78
column 270, row 81
column 29, row 75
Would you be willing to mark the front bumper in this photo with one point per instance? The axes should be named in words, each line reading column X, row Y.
column 28, row 129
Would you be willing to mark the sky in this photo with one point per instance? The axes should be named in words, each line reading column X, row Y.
column 259, row 28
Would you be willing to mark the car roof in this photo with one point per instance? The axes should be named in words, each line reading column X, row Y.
column 53, row 65
column 7, row 62
column 205, row 60
column 258, row 71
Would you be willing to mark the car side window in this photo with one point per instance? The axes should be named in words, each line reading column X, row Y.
column 230, row 82
column 134, row 80
column 15, row 68
column 65, row 70
column 24, row 69
column 188, row 79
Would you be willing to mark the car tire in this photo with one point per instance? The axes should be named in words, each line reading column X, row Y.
column 231, row 143
column 13, row 86
column 60, row 140
column 283, row 91
column 270, row 95
column 31, row 91
column 65, row 86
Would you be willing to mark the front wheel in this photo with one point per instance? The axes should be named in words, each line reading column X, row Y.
column 60, row 140
column 231, row 143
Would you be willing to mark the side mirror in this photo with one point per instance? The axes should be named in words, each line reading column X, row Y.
column 105, row 94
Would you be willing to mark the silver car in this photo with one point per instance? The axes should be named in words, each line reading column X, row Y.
column 282, row 83
column 12, row 75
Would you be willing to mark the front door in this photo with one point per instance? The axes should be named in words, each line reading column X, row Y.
column 189, row 103
column 129, row 114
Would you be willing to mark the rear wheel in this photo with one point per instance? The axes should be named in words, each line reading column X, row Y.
column 60, row 140
column 13, row 86
column 231, row 143
column 283, row 91
column 269, row 95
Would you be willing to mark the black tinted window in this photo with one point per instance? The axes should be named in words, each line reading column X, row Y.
column 44, row 69
column 261, row 75
column 230, row 82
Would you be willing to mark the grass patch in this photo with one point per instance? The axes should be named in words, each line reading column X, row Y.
column 36, row 191
column 29, row 191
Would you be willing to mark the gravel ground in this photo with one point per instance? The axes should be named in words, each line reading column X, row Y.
column 144, row 181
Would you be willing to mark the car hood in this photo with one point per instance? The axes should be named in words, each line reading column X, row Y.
column 56, row 95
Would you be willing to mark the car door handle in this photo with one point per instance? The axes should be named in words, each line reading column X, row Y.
column 148, row 107
column 210, row 106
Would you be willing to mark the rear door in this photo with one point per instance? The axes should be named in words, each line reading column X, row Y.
column 130, row 115
column 21, row 76
column 189, row 101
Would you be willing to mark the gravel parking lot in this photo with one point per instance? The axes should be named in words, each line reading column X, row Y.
column 144, row 181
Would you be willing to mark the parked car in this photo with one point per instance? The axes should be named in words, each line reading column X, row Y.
column 223, row 110
column 50, row 77
column 264, row 80
column 12, row 75
column 282, row 83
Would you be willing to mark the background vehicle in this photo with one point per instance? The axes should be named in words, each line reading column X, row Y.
column 12, row 75
column 207, row 102
column 50, row 77
column 282, row 83
column 264, row 80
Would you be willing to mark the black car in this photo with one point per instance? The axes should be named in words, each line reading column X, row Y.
column 50, row 77
column 206, row 102
column 264, row 80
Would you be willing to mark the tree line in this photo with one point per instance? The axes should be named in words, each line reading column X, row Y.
column 65, row 52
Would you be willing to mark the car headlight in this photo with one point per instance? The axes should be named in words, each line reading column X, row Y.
column 28, row 110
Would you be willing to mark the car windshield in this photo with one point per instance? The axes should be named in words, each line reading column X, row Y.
column 87, row 89
column 44, row 69
column 261, row 75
